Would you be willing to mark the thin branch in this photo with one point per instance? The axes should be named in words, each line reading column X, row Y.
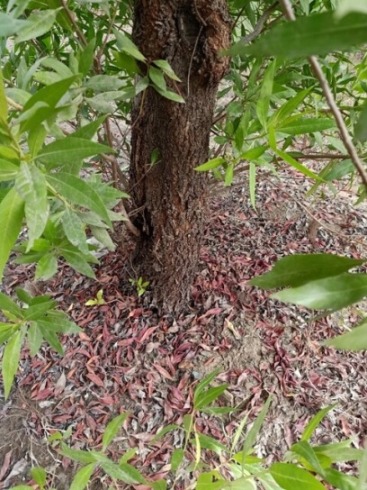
column 260, row 24
column 344, row 133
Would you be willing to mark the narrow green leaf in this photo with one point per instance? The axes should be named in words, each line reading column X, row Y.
column 207, row 397
column 6, row 331
column 102, row 235
column 340, row 480
column 263, row 103
column 299, row 269
column 289, row 107
column 39, row 475
column 65, row 151
column 78, row 192
column 362, row 480
column 360, row 130
column 290, row 476
column 47, row 331
column 77, row 262
column 105, row 83
column 168, row 94
column 86, row 57
column 37, row 24
column 332, row 293
column 7, row 304
column 46, row 267
column 51, row 94
column 207, row 442
column 82, row 477
column 112, row 429
column 316, row 34
column 35, row 338
column 255, row 429
column 339, row 452
column 210, row 164
column 355, row 340
column 176, row 459
column 298, row 166
column 306, row 125
column 304, row 449
column 167, row 69
column 31, row 186
column 124, row 472
column 11, row 217
column 79, row 455
column 89, row 130
column 205, row 382
column 9, row 25
column 127, row 46
column 238, row 432
column 3, row 101
column 74, row 230
column 315, row 422
column 38, row 310
column 11, row 360
column 157, row 77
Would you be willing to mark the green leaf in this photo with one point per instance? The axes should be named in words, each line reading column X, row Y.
column 167, row 69
column 210, row 164
column 65, row 151
column 9, row 25
column 35, row 338
column 11, row 217
column 38, row 310
column 176, row 459
column 289, row 107
column 298, row 166
column 74, row 230
column 316, row 34
column 127, row 46
column 355, row 340
column 340, row 480
column 168, row 94
column 205, row 382
column 82, row 477
column 46, row 267
column 339, row 451
column 124, row 472
column 291, row 477
column 7, row 304
column 39, row 475
column 36, row 138
column 31, row 186
column 79, row 455
column 77, row 261
column 263, row 103
column 89, row 130
column 78, row 192
column 104, row 83
column 47, row 330
column 6, row 331
column 306, row 125
column 3, row 101
column 255, row 429
column 157, row 77
column 112, row 429
column 37, row 24
column 212, row 444
column 304, row 449
column 332, row 293
column 86, row 58
column 8, row 171
column 207, row 397
column 315, row 422
column 299, row 269
column 102, row 235
column 11, row 360
column 51, row 94
column 362, row 480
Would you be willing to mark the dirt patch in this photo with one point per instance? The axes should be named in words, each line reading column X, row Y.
column 21, row 449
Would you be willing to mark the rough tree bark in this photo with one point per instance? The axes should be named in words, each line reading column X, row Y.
column 169, row 196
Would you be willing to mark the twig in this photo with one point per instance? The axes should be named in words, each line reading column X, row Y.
column 260, row 25
column 344, row 133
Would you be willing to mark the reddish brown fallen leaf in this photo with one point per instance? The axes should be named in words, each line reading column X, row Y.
column 96, row 379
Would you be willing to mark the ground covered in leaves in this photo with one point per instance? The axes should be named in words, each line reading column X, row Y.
column 128, row 358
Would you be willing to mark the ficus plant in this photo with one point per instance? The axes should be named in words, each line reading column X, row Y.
column 72, row 71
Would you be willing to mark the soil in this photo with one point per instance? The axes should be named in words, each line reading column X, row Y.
column 131, row 358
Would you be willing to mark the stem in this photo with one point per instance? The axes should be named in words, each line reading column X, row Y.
column 344, row 133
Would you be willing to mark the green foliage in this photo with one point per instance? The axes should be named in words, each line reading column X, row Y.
column 305, row 466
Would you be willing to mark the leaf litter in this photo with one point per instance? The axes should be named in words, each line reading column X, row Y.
column 128, row 358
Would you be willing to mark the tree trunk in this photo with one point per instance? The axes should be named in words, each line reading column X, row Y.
column 169, row 195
